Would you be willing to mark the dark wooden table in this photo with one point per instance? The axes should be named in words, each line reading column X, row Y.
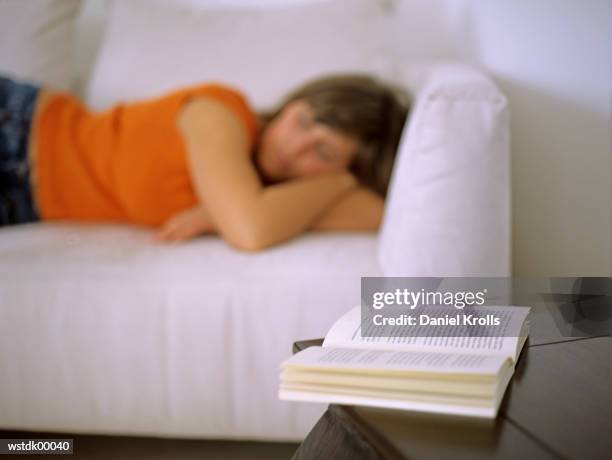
column 558, row 406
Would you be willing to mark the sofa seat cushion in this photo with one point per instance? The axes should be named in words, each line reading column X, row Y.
column 104, row 331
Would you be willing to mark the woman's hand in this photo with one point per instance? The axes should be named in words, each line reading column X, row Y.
column 185, row 225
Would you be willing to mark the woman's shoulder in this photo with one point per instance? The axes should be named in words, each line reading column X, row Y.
column 230, row 97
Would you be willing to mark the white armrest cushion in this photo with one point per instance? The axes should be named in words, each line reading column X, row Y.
column 448, row 208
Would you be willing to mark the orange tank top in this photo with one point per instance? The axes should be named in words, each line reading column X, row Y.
column 126, row 164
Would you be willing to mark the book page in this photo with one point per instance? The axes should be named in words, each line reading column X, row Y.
column 392, row 382
column 346, row 332
column 449, row 403
column 388, row 395
column 398, row 362
column 419, row 406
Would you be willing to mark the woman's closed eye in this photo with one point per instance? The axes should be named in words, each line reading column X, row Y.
column 325, row 153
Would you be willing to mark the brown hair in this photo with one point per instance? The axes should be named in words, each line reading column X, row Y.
column 360, row 106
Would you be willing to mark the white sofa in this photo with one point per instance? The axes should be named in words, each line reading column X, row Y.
column 103, row 332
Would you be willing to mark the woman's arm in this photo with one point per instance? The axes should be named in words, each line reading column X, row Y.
column 247, row 215
column 360, row 209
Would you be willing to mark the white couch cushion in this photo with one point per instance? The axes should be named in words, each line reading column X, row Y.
column 36, row 41
column 448, row 212
column 151, row 47
column 105, row 332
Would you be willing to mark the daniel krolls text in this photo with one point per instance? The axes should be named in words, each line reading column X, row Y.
column 410, row 299
column 446, row 320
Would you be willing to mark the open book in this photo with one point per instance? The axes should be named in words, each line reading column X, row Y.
column 452, row 375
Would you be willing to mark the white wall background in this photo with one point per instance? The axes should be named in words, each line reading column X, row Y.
column 553, row 59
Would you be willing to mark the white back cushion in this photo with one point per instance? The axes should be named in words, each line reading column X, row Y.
column 36, row 41
column 151, row 47
column 448, row 210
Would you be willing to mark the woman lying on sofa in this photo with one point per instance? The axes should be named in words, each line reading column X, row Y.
column 199, row 160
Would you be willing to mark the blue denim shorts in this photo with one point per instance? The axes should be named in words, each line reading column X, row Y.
column 17, row 104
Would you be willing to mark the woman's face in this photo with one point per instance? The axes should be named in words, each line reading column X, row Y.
column 295, row 145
